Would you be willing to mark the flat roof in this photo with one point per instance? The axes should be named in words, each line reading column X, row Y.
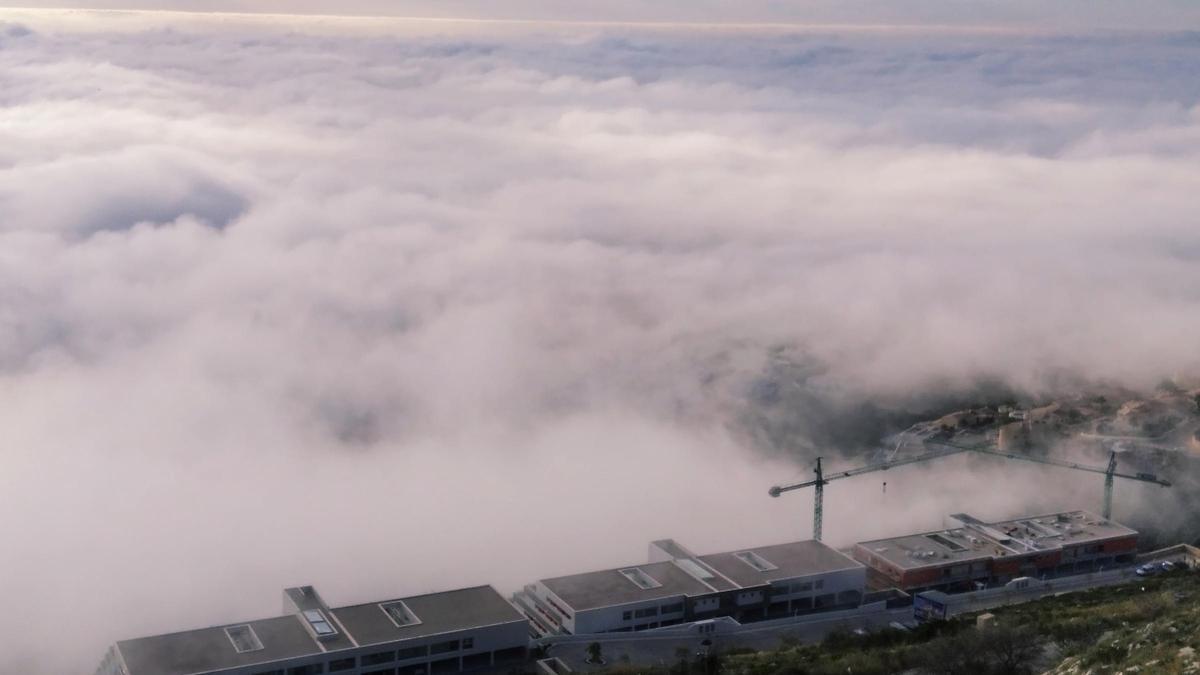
column 692, row 564
column 209, row 649
column 591, row 590
column 445, row 612
column 1055, row 530
column 606, row 588
column 979, row 540
column 791, row 560
column 930, row 548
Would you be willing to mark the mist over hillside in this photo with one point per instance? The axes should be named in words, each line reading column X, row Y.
column 305, row 301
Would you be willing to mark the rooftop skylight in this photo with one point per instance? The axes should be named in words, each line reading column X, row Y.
column 317, row 621
column 640, row 578
column 399, row 613
column 755, row 560
column 243, row 638
column 693, row 568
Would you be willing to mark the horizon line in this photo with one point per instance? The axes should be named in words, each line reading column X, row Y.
column 599, row 23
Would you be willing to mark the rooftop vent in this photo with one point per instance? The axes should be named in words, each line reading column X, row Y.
column 755, row 560
column 640, row 578
column 399, row 613
column 243, row 638
column 319, row 624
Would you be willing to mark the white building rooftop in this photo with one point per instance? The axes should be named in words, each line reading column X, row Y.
column 264, row 641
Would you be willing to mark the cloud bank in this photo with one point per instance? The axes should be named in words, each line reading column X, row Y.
column 414, row 305
column 1001, row 14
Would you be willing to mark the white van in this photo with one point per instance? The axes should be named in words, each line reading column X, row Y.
column 1018, row 583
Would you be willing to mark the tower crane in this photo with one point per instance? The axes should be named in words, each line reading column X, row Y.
column 818, row 484
column 1110, row 472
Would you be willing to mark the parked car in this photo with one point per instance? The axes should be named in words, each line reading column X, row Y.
column 1168, row 566
column 1148, row 570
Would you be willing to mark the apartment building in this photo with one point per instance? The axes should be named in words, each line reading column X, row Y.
column 977, row 554
column 676, row 586
column 450, row 632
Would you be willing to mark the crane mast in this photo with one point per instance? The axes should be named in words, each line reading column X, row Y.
column 1108, row 483
column 818, row 501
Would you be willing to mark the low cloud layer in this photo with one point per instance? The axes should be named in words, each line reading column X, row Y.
column 409, row 306
column 1003, row 14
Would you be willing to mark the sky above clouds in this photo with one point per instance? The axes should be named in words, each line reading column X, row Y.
column 346, row 302
column 1026, row 14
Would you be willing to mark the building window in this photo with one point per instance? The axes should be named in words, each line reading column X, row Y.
column 626, row 615
column 399, row 613
column 378, row 658
column 468, row 643
column 412, row 653
column 314, row 669
column 243, row 639
column 443, row 647
column 819, row 584
column 341, row 664
column 672, row 609
column 803, row 588
column 643, row 613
